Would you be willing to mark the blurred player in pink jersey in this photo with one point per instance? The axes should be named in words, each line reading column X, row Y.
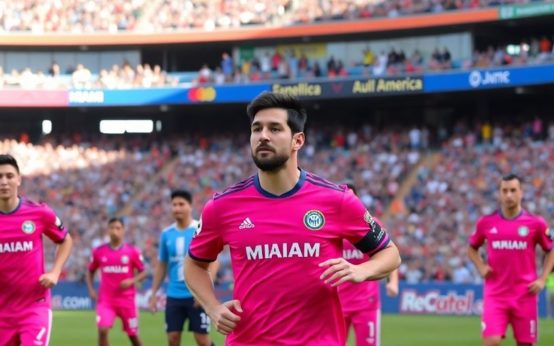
column 25, row 314
column 361, row 302
column 121, row 268
column 285, row 228
column 511, row 285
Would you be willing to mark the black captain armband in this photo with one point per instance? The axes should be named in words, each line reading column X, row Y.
column 373, row 238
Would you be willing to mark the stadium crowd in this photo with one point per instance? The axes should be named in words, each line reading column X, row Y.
column 278, row 66
column 88, row 180
column 394, row 62
column 80, row 77
column 442, row 208
column 85, row 16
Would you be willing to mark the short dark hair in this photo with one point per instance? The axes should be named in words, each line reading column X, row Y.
column 296, row 113
column 7, row 159
column 116, row 219
column 183, row 194
column 351, row 186
column 512, row 176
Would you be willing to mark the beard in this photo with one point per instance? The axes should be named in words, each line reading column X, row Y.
column 270, row 164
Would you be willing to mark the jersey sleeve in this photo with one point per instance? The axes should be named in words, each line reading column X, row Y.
column 163, row 252
column 360, row 228
column 94, row 263
column 544, row 236
column 53, row 226
column 138, row 260
column 477, row 238
column 207, row 243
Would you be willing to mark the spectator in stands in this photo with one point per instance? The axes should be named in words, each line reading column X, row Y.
column 265, row 65
column 227, row 66
column 81, row 78
column 204, row 75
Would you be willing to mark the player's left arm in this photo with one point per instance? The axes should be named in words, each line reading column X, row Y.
column 545, row 240
column 55, row 230
column 138, row 278
column 138, row 269
column 379, row 266
column 50, row 279
column 548, row 264
column 392, row 284
column 368, row 235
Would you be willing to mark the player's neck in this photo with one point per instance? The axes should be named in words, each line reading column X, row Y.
column 116, row 244
column 510, row 213
column 8, row 205
column 184, row 223
column 280, row 182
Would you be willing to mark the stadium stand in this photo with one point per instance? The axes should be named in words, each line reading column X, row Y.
column 80, row 16
column 395, row 62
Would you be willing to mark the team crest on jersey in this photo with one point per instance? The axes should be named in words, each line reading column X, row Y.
column 124, row 259
column 368, row 218
column 314, row 220
column 28, row 227
column 523, row 231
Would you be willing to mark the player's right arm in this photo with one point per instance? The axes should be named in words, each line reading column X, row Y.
column 159, row 272
column 476, row 240
column 203, row 251
column 483, row 268
column 159, row 275
column 89, row 277
column 200, row 283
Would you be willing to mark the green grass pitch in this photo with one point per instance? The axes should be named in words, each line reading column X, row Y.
column 78, row 328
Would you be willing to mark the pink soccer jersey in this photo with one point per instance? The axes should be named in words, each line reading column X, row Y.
column 358, row 296
column 22, row 257
column 115, row 266
column 276, row 244
column 511, row 251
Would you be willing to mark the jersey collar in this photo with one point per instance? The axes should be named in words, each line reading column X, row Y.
column 16, row 208
column 510, row 218
column 291, row 192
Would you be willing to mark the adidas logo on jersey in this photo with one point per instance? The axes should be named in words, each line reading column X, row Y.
column 247, row 223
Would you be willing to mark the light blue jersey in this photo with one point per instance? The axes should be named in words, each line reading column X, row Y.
column 174, row 245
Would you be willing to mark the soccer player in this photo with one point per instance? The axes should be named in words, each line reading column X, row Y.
column 121, row 268
column 180, row 305
column 285, row 228
column 25, row 314
column 511, row 285
column 361, row 302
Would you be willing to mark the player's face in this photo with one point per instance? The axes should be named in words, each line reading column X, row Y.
column 10, row 181
column 271, row 139
column 116, row 231
column 510, row 193
column 180, row 208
